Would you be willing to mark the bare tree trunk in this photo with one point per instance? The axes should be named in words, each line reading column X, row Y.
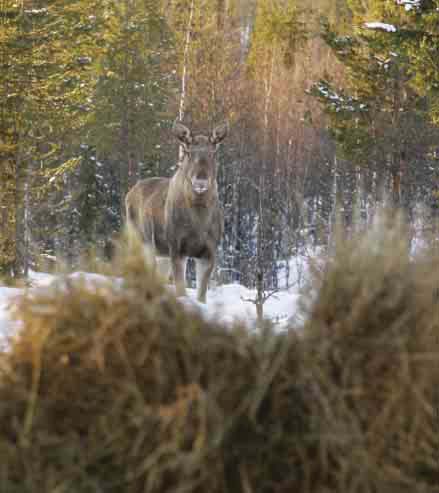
column 260, row 241
column 7, row 218
column 128, row 171
column 259, row 302
column 395, row 163
column 20, row 263
column 396, row 181
column 20, row 267
column 182, row 106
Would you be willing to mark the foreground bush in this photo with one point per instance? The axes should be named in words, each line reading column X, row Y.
column 373, row 332
column 116, row 388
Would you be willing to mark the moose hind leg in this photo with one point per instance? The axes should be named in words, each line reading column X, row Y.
column 179, row 274
column 204, row 268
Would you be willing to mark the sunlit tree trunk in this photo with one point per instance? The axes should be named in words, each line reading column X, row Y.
column 184, row 73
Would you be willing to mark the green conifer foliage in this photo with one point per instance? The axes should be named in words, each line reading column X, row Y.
column 47, row 53
column 75, row 75
column 419, row 36
column 279, row 26
column 378, row 118
column 133, row 88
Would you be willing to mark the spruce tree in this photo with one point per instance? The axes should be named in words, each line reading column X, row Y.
column 379, row 121
column 47, row 51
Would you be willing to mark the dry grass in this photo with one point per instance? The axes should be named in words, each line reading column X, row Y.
column 374, row 330
column 116, row 388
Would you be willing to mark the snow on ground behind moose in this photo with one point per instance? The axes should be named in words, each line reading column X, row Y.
column 225, row 303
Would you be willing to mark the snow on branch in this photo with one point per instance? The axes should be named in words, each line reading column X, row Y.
column 337, row 102
column 409, row 4
column 390, row 28
column 42, row 11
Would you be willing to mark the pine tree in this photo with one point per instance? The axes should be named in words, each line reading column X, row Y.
column 48, row 49
column 79, row 75
column 122, row 141
column 377, row 117
column 418, row 34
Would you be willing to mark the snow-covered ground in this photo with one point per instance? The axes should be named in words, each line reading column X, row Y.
column 226, row 303
column 233, row 302
column 7, row 325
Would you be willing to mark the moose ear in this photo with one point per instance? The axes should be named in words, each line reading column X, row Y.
column 183, row 134
column 219, row 133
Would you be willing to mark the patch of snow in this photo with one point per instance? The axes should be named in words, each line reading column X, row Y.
column 231, row 303
column 41, row 278
column 297, row 272
column 390, row 28
column 8, row 326
column 227, row 304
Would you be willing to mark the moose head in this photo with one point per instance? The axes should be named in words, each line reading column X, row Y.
column 198, row 162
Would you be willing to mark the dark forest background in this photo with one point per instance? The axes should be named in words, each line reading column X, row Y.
column 330, row 116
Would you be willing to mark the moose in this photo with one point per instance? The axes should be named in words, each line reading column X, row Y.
column 181, row 216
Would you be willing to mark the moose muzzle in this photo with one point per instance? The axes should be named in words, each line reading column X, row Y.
column 200, row 186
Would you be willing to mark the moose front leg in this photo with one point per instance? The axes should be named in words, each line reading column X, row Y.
column 204, row 267
column 164, row 268
column 179, row 273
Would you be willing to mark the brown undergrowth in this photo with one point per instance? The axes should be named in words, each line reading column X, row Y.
column 114, row 387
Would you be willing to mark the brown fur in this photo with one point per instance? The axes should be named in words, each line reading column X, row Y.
column 181, row 217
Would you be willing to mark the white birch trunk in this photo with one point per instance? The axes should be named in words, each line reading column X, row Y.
column 187, row 44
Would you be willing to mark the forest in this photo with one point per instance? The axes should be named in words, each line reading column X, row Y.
column 108, row 382
column 333, row 108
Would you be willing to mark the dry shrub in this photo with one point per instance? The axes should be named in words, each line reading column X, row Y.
column 373, row 336
column 113, row 386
